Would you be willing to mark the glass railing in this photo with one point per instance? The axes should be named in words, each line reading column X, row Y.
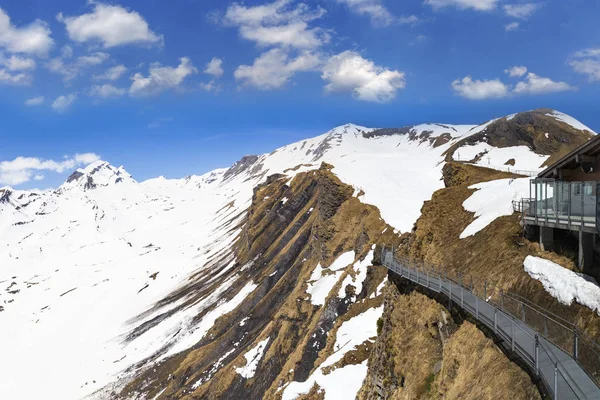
column 562, row 200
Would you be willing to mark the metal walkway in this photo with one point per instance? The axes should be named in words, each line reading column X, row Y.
column 562, row 375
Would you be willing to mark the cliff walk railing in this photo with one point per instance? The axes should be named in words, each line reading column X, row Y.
column 503, row 168
column 566, row 361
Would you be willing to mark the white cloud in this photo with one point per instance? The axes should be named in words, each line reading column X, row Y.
column 350, row 72
column 274, row 69
column 516, row 71
column 161, row 78
column 587, row 62
column 36, row 101
column 83, row 159
column 294, row 34
column 214, row 67
column 513, row 26
column 15, row 79
column 39, row 178
column 521, row 11
column 479, row 90
column 278, row 24
column 93, row 59
column 211, row 86
column 62, row 103
column 112, row 74
column 30, row 39
column 374, row 9
column 588, row 67
column 23, row 169
column 408, row 20
column 479, row 5
column 18, row 63
column 106, row 91
column 419, row 40
column 534, row 84
column 111, row 26
column 66, row 52
column 72, row 69
column 593, row 52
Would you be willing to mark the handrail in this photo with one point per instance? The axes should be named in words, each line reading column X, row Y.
column 571, row 380
column 503, row 168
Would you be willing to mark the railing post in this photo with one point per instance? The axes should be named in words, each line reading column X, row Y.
column 495, row 320
column 523, row 311
column 450, row 295
column 537, row 355
column 485, row 291
column 512, row 341
column 477, row 307
column 575, row 344
column 502, row 299
column 462, row 301
column 427, row 274
column 417, row 270
column 556, row 381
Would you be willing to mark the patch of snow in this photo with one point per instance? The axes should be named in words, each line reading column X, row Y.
column 158, row 394
column 253, row 357
column 496, row 158
column 342, row 383
column 284, row 200
column 563, row 284
column 215, row 368
column 348, row 280
column 493, row 200
column 547, row 135
column 380, row 287
column 343, row 261
column 321, row 286
column 243, row 322
column 567, row 119
column 192, row 337
column 361, row 268
column 510, row 117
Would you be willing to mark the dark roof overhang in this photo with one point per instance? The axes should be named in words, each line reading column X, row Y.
column 585, row 153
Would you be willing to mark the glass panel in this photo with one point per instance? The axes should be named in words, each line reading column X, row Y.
column 589, row 200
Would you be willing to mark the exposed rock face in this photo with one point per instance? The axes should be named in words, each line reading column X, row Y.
column 240, row 166
column 290, row 228
column 5, row 195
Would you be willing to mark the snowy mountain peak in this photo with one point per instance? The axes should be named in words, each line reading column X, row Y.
column 97, row 174
column 349, row 129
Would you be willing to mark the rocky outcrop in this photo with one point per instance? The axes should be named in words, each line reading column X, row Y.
column 290, row 227
column 240, row 166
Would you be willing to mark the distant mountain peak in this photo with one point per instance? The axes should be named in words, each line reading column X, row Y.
column 97, row 174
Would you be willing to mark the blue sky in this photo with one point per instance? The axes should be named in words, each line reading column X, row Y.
column 175, row 88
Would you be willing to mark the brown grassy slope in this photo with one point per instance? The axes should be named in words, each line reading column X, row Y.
column 283, row 243
column 422, row 353
column 474, row 368
column 495, row 254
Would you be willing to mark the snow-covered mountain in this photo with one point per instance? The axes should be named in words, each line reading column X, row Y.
column 88, row 272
